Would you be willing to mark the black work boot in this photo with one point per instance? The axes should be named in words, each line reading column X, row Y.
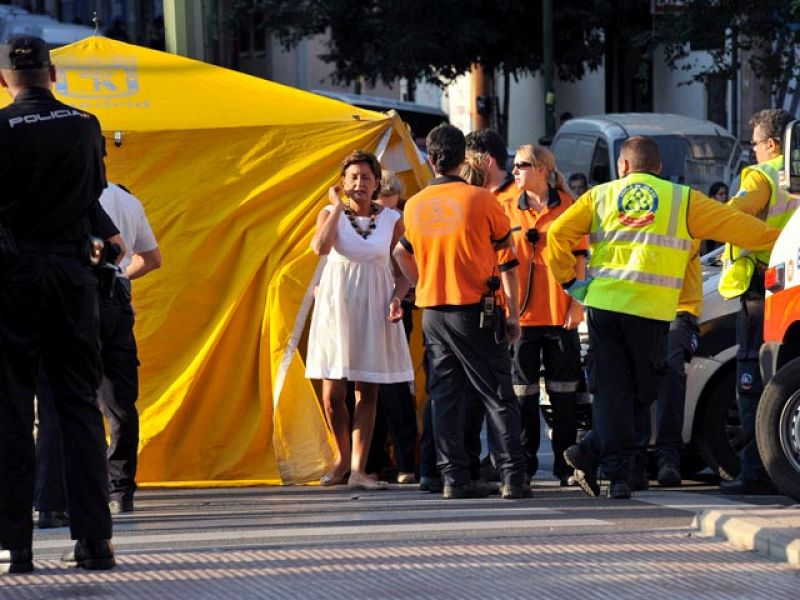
column 16, row 561
column 515, row 492
column 49, row 519
column 120, row 505
column 473, row 489
column 669, row 475
column 585, row 466
column 95, row 555
column 619, row 490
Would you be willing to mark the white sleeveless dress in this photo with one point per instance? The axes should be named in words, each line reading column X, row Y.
column 350, row 337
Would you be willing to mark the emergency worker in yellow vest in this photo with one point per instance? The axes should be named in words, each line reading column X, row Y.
column 760, row 195
column 640, row 231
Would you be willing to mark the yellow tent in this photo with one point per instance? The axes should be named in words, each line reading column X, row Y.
column 232, row 171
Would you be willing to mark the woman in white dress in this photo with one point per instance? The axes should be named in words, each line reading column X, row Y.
column 356, row 333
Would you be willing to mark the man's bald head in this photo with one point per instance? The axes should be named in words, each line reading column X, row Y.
column 639, row 154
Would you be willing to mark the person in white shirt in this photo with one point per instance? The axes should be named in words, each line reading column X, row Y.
column 120, row 388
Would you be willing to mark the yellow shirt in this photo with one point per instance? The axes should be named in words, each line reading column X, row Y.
column 706, row 219
column 691, row 297
column 753, row 195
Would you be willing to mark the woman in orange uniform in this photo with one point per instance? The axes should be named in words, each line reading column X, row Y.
column 548, row 316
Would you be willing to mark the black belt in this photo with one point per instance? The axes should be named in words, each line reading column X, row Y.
column 73, row 248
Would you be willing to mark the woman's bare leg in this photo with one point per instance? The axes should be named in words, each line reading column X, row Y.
column 333, row 399
column 363, row 425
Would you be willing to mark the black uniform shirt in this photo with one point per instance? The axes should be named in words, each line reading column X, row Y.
column 51, row 169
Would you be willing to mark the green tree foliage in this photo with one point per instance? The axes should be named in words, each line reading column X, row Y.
column 766, row 34
column 431, row 40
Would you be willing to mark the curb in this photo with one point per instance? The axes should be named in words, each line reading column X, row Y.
column 771, row 530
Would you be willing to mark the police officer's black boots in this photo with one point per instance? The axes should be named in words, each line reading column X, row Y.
column 16, row 561
column 619, row 490
column 95, row 555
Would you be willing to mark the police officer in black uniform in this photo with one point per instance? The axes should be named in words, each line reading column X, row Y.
column 52, row 174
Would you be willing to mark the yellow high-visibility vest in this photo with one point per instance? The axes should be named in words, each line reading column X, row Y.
column 738, row 264
column 640, row 246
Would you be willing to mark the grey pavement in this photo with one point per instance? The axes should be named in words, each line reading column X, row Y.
column 311, row 542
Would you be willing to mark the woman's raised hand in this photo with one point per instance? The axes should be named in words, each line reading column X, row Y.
column 334, row 195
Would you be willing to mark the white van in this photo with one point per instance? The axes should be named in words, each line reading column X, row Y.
column 693, row 152
column 53, row 32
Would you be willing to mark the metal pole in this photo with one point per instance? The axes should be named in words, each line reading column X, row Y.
column 735, row 83
column 176, row 20
column 548, row 51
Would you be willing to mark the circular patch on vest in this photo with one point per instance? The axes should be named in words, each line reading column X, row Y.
column 637, row 204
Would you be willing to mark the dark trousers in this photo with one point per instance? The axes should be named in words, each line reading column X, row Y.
column 627, row 359
column 396, row 416
column 474, row 420
column 559, row 350
column 682, row 341
column 459, row 351
column 49, row 318
column 750, row 337
column 117, row 401
column 121, row 369
column 50, row 491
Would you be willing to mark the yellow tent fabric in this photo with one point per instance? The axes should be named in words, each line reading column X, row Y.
column 232, row 171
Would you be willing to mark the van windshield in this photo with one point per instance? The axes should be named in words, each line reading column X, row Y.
column 695, row 160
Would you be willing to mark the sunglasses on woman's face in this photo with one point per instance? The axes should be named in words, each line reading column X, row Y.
column 522, row 165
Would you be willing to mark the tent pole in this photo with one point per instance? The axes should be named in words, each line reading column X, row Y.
column 176, row 19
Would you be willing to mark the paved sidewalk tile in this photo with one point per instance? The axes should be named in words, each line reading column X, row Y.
column 663, row 565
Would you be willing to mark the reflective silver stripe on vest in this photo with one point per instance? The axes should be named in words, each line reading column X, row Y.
column 675, row 210
column 639, row 277
column 561, row 387
column 640, row 237
column 526, row 390
column 781, row 208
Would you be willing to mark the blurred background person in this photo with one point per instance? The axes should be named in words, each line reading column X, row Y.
column 578, row 184
column 396, row 413
column 548, row 316
column 718, row 191
column 474, row 169
column 355, row 331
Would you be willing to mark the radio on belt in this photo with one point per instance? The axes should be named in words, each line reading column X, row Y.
column 488, row 303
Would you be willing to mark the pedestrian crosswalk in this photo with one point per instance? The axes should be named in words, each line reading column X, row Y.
column 272, row 515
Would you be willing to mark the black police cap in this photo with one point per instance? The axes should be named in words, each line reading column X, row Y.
column 24, row 52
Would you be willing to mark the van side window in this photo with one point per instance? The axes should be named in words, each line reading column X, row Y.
column 564, row 151
column 600, row 171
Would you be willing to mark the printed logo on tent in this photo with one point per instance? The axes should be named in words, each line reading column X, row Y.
column 116, row 80
column 637, row 204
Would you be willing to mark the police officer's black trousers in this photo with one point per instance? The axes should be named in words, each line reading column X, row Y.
column 627, row 359
column 750, row 337
column 49, row 312
column 120, row 368
column 459, row 351
column 681, row 345
column 560, row 352
column 50, row 489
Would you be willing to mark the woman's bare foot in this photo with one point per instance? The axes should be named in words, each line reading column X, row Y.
column 362, row 481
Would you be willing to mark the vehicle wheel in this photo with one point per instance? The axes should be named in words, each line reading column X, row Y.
column 720, row 433
column 778, row 428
